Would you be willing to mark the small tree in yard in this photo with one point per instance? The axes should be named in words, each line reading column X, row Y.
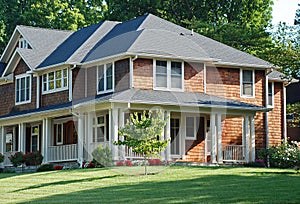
column 143, row 134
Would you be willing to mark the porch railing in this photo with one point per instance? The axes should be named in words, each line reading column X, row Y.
column 63, row 153
column 132, row 155
column 233, row 153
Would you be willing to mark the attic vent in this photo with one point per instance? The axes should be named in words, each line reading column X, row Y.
column 183, row 34
column 23, row 43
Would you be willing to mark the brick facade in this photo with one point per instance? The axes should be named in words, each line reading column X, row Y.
column 143, row 74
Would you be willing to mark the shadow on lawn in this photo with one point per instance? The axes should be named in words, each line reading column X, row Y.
column 207, row 189
column 65, row 182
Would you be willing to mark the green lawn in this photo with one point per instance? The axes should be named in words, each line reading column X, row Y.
column 172, row 185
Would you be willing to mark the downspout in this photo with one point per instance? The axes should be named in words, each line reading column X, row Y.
column 70, row 78
column 38, row 89
column 267, row 114
column 284, row 112
column 131, row 85
column 204, row 78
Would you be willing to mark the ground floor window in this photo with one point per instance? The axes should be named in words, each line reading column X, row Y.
column 175, row 139
column 101, row 128
column 34, row 138
column 65, row 133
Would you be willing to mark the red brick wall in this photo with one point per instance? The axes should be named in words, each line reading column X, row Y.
column 193, row 77
column 54, row 98
column 225, row 82
column 143, row 74
column 275, row 116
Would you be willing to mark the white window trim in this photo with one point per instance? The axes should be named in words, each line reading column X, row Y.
column 30, row 87
column 35, row 134
column 168, row 75
column 113, row 78
column 241, row 84
column 272, row 84
column 55, row 89
column 62, row 133
column 195, row 128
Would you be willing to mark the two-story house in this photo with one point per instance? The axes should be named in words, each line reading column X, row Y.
column 63, row 92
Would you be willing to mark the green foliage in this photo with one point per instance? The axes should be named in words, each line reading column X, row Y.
column 45, row 167
column 297, row 16
column 284, row 155
column 143, row 134
column 102, row 156
column 33, row 158
column 294, row 109
column 58, row 14
column 17, row 159
column 1, row 158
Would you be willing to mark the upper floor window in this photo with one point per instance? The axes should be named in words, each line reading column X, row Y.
column 55, row 81
column 247, row 83
column 270, row 94
column 168, row 74
column 23, row 43
column 23, row 89
column 105, row 75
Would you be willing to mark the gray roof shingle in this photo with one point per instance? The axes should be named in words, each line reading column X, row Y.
column 186, row 99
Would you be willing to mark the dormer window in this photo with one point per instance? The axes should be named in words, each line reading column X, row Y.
column 23, row 43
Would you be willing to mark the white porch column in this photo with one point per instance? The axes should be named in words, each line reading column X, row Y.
column 162, row 154
column 2, row 140
column 21, row 137
column 213, row 138
column 44, row 141
column 80, row 138
column 168, row 136
column 121, row 125
column 246, row 137
column 252, row 126
column 89, row 138
column 114, row 132
column 219, row 138
column 182, row 135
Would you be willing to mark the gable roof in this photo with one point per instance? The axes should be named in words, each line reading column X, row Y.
column 277, row 76
column 147, row 35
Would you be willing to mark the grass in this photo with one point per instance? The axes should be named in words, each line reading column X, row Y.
column 172, row 185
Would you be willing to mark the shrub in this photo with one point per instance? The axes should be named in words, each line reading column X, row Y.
column 256, row 163
column 284, row 155
column 17, row 159
column 58, row 167
column 91, row 165
column 153, row 162
column 1, row 158
column 103, row 156
column 33, row 158
column 128, row 163
column 119, row 163
column 45, row 167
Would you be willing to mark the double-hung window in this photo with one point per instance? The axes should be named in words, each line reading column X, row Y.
column 23, row 43
column 99, row 129
column 105, row 75
column 23, row 89
column 55, row 81
column 168, row 75
column 247, row 83
column 270, row 94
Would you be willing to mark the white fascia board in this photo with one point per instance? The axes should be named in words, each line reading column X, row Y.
column 13, row 61
column 243, row 65
column 9, row 45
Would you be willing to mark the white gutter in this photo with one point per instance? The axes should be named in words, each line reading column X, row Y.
column 243, row 65
column 204, row 78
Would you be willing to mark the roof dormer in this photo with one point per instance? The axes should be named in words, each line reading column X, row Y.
column 23, row 43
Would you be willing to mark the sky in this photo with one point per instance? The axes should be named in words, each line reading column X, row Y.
column 284, row 10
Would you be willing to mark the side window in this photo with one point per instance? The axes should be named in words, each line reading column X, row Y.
column 23, row 89
column 105, row 76
column 247, row 83
column 270, row 94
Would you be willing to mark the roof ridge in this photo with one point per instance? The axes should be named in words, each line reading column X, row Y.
column 42, row 28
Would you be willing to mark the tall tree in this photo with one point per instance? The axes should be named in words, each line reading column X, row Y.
column 297, row 16
column 58, row 14
column 239, row 23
